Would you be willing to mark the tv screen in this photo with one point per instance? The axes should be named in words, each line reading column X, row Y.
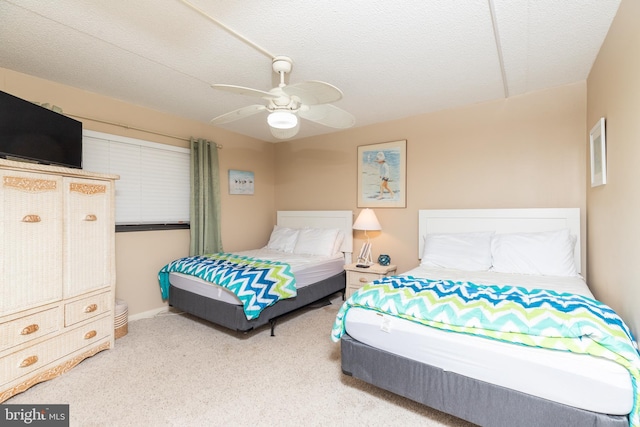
column 34, row 133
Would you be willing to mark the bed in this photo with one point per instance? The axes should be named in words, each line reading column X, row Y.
column 486, row 381
column 318, row 274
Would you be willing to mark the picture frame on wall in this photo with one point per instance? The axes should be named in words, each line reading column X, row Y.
column 382, row 175
column 241, row 182
column 598, row 150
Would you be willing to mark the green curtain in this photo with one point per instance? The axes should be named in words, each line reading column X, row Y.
column 205, row 198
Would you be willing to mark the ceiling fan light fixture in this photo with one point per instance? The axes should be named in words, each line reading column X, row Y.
column 285, row 133
column 282, row 120
column 287, row 105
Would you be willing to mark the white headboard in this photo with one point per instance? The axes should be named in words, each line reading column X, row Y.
column 500, row 221
column 342, row 220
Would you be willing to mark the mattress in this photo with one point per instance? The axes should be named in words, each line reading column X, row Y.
column 307, row 269
column 576, row 380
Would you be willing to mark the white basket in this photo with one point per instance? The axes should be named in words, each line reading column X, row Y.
column 121, row 320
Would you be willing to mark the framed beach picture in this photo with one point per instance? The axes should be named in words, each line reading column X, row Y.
column 382, row 175
column 240, row 182
column 598, row 148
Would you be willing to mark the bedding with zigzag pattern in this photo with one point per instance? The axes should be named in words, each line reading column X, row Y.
column 536, row 318
column 257, row 283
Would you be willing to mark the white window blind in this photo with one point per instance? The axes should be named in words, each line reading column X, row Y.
column 154, row 178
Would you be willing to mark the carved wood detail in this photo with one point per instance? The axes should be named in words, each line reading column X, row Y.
column 52, row 373
column 88, row 189
column 30, row 184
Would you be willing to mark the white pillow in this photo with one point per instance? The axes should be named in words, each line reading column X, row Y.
column 548, row 253
column 283, row 239
column 316, row 241
column 462, row 251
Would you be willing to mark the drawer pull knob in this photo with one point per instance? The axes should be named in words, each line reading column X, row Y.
column 31, row 218
column 90, row 335
column 91, row 217
column 91, row 308
column 364, row 280
column 29, row 361
column 30, row 329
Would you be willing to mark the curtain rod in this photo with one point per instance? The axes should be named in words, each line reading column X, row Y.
column 133, row 128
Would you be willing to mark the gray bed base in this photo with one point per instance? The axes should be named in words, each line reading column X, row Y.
column 232, row 316
column 476, row 401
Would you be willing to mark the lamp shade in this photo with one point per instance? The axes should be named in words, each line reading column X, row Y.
column 367, row 221
column 282, row 120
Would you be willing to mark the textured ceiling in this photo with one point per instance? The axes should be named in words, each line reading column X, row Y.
column 391, row 59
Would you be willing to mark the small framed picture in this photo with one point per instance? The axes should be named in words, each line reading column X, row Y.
column 598, row 148
column 382, row 175
column 240, row 182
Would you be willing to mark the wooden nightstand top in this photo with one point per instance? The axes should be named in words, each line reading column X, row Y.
column 373, row 268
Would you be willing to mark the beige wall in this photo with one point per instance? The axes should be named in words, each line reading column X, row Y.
column 246, row 220
column 613, row 92
column 527, row 151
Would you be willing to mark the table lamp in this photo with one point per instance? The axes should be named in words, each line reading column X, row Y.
column 366, row 221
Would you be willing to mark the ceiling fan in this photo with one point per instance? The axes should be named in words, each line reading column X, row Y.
column 309, row 100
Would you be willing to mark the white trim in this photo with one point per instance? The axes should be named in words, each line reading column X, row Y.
column 149, row 314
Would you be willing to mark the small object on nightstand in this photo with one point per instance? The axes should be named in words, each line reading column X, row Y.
column 384, row 259
column 362, row 266
column 358, row 276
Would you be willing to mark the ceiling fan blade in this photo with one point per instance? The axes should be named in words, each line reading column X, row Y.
column 241, row 90
column 314, row 92
column 240, row 113
column 328, row 115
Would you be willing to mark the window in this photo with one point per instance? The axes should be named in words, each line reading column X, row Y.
column 154, row 183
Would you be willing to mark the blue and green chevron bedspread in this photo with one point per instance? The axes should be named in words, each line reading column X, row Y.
column 536, row 318
column 257, row 283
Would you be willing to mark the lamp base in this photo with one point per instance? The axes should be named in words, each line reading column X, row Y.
column 365, row 255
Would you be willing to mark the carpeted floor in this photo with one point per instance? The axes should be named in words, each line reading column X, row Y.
column 175, row 370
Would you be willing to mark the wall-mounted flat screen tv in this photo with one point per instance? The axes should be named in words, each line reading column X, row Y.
column 33, row 133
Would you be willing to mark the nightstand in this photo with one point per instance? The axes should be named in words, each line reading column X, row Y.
column 357, row 277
